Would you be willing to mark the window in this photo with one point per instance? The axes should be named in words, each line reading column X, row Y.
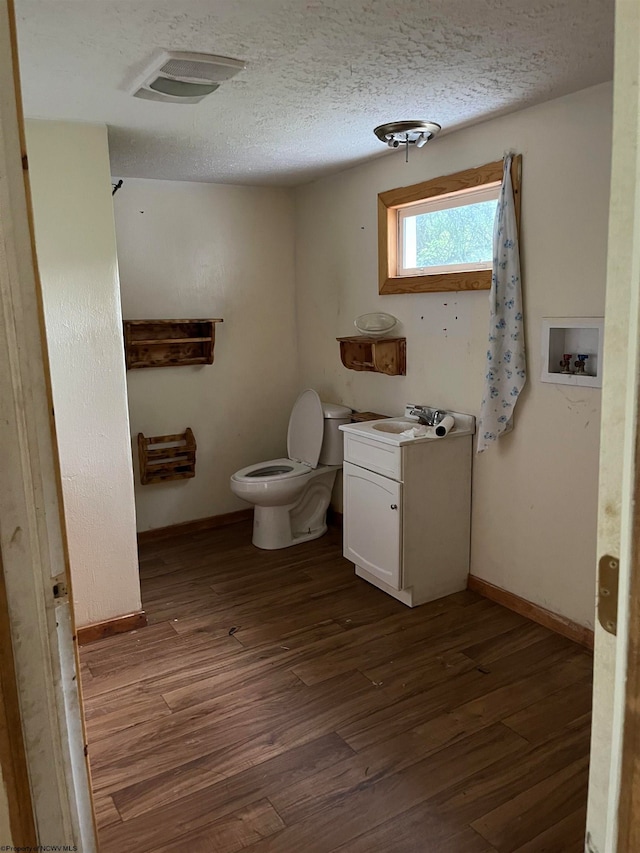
column 438, row 235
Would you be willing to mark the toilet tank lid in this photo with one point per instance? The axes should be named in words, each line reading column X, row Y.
column 335, row 410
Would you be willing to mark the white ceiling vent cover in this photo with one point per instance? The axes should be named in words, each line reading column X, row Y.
column 178, row 77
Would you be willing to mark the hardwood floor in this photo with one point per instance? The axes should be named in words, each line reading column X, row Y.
column 278, row 703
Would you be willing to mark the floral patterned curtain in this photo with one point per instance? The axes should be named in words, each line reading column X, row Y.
column 506, row 369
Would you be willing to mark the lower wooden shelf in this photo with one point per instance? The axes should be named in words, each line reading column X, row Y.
column 166, row 457
column 377, row 355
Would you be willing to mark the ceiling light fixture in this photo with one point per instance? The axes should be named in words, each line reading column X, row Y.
column 397, row 133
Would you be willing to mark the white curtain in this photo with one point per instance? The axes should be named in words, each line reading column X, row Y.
column 506, row 369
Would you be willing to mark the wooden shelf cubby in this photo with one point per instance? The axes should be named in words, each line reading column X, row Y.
column 166, row 457
column 378, row 355
column 168, row 343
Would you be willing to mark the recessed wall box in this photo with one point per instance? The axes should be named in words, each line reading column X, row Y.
column 572, row 336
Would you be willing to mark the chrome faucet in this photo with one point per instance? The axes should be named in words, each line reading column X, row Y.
column 425, row 415
column 420, row 414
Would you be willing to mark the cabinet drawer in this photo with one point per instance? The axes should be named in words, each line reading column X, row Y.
column 373, row 455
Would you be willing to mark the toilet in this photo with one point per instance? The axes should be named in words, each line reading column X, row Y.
column 291, row 496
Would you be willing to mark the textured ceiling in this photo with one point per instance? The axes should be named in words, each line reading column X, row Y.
column 320, row 74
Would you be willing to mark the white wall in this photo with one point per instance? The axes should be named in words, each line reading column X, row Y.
column 75, row 245
column 203, row 250
column 534, row 500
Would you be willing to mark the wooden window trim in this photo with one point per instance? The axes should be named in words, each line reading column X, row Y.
column 391, row 201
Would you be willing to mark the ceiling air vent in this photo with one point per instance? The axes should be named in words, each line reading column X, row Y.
column 178, row 77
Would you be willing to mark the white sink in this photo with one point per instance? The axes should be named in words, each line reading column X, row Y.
column 389, row 430
column 394, row 425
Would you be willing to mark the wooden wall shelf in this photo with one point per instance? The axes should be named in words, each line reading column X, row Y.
column 362, row 417
column 378, row 355
column 168, row 343
column 166, row 457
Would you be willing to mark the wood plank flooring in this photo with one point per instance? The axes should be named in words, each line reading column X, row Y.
column 278, row 703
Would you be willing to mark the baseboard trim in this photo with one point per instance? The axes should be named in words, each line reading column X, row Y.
column 110, row 627
column 553, row 621
column 195, row 526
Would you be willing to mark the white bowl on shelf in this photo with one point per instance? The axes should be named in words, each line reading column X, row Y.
column 376, row 324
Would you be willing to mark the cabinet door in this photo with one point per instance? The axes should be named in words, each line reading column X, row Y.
column 372, row 523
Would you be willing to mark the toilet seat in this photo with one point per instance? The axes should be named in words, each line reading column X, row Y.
column 272, row 471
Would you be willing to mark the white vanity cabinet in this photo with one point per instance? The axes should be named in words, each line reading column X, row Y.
column 407, row 513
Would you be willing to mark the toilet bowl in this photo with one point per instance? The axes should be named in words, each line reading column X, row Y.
column 291, row 496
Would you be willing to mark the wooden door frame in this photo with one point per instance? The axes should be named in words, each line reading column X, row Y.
column 623, row 813
column 13, row 758
column 625, row 778
column 46, row 714
column 629, row 798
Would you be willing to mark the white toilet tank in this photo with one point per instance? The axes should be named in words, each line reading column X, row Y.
column 332, row 440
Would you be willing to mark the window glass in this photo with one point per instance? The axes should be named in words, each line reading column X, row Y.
column 448, row 233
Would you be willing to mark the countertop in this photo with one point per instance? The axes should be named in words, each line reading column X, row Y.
column 465, row 425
